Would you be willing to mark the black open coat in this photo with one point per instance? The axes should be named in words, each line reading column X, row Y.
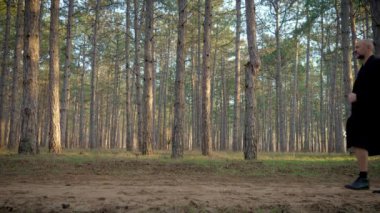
column 363, row 126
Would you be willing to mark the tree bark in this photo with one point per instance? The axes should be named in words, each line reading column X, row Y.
column 307, row 111
column 93, row 115
column 28, row 141
column 252, row 68
column 136, row 70
column 148, row 86
column 294, row 105
column 206, row 83
column 375, row 10
column 17, row 63
column 128, row 92
column 82, row 137
column 280, row 106
column 179, row 92
column 115, row 98
column 236, row 127
column 347, row 76
column 4, row 72
column 353, row 34
column 224, row 118
column 339, row 143
column 322, row 122
column 55, row 129
column 66, row 75
column 199, row 84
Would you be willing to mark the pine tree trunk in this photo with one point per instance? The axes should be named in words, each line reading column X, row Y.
column 307, row 140
column 4, row 72
column 294, row 105
column 82, row 137
column 115, row 99
column 93, row 115
column 206, row 83
column 178, row 131
column 213, row 123
column 160, row 103
column 339, row 143
column 280, row 106
column 353, row 34
column 347, row 76
column 199, row 81
column 375, row 10
column 55, row 129
column 271, row 142
column 136, row 70
column 252, row 68
column 236, row 127
column 148, row 86
column 322, row 123
column 128, row 92
column 28, row 141
column 194, row 83
column 17, row 63
column 332, row 103
column 66, row 75
column 164, row 129
column 224, row 117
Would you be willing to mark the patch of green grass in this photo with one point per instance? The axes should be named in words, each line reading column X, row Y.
column 121, row 162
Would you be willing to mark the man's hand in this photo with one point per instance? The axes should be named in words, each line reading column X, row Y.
column 352, row 97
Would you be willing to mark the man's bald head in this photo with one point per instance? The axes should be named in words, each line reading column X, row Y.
column 364, row 48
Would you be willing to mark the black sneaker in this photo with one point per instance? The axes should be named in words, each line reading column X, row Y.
column 359, row 184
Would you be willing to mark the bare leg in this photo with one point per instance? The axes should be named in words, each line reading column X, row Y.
column 361, row 182
column 362, row 158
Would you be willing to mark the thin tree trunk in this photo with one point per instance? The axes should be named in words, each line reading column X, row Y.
column 194, row 127
column 136, row 69
column 115, row 101
column 332, row 100
column 206, row 82
column 161, row 100
column 17, row 63
column 224, row 117
column 353, row 34
column 347, row 76
column 307, row 112
column 213, row 123
column 199, row 87
column 128, row 92
column 164, row 129
column 179, row 91
column 322, row 123
column 339, row 143
column 93, row 115
column 252, row 68
column 375, row 10
column 28, row 141
column 66, row 74
column 367, row 27
column 4, row 71
column 294, row 111
column 82, row 137
column 148, row 86
column 271, row 142
column 236, row 127
column 280, row 111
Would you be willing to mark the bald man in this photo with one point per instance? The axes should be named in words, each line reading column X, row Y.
column 362, row 126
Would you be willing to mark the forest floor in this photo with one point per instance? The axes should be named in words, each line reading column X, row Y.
column 126, row 182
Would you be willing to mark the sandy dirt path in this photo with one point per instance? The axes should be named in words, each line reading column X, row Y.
column 190, row 193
